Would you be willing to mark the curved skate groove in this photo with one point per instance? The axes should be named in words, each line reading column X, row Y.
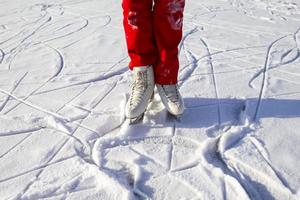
column 101, row 77
column 186, row 35
column 188, row 70
column 86, row 23
column 22, row 31
column 31, row 34
column 76, row 41
column 60, row 68
column 61, row 63
column 265, row 76
column 257, row 74
column 12, row 54
column 282, row 58
column 195, row 62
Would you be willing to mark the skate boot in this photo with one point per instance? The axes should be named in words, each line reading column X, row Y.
column 141, row 92
column 171, row 99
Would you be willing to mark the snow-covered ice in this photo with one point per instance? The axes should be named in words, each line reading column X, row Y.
column 64, row 82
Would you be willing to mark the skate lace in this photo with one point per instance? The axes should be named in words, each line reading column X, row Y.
column 171, row 92
column 138, row 88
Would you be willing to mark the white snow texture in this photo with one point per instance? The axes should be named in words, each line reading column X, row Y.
column 64, row 82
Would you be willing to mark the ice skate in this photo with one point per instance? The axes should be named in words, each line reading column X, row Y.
column 171, row 99
column 141, row 93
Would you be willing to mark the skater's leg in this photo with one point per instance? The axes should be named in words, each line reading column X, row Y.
column 138, row 27
column 168, row 17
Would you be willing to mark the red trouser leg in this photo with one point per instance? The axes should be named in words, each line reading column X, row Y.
column 138, row 26
column 168, row 16
column 153, row 36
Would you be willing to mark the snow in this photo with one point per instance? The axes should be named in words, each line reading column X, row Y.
column 64, row 82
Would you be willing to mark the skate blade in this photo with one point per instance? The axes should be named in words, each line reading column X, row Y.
column 136, row 119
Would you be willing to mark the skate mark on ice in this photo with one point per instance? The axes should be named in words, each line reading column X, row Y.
column 106, row 76
column 22, row 31
column 107, row 144
column 150, row 158
column 240, row 170
column 72, row 135
column 171, row 155
column 81, row 39
column 264, row 72
column 61, row 118
column 30, row 35
column 234, row 28
column 15, row 145
column 36, row 168
column 102, row 145
column 207, row 160
column 65, row 194
column 76, row 139
column 26, row 97
column 48, row 164
column 29, row 135
column 86, row 23
column 263, row 153
column 58, row 71
column 12, row 54
column 40, row 171
column 61, row 64
column 2, row 55
column 74, row 97
column 19, row 132
column 12, row 91
column 190, row 57
column 186, row 35
column 210, row 62
column 286, row 79
column 283, row 60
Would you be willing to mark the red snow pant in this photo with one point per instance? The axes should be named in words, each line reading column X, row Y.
column 153, row 30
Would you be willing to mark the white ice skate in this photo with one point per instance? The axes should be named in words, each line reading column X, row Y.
column 141, row 92
column 171, row 99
